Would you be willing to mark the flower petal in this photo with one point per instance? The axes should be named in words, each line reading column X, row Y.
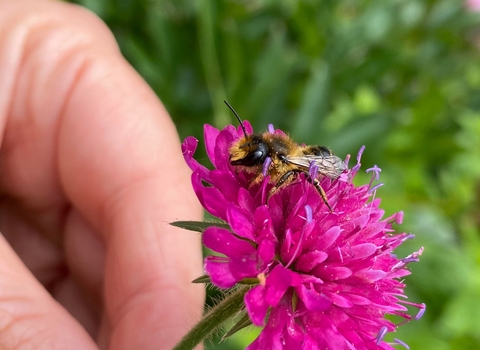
column 245, row 200
column 313, row 300
column 189, row 147
column 322, row 329
column 370, row 276
column 210, row 197
column 277, row 283
column 273, row 335
column 248, row 128
column 339, row 300
column 325, row 240
column 266, row 253
column 256, row 305
column 223, row 241
column 226, row 183
column 241, row 224
column 361, row 251
column 210, row 135
column 331, row 272
column 219, row 271
column 222, row 145
column 358, row 299
column 309, row 260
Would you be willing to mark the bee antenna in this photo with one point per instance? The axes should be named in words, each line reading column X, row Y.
column 238, row 118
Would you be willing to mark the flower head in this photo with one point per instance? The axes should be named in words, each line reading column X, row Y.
column 472, row 5
column 326, row 279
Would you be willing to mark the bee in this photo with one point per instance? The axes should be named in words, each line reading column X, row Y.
column 276, row 155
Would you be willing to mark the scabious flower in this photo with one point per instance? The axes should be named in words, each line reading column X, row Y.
column 326, row 279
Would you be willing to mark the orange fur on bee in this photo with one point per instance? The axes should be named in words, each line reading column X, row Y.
column 278, row 146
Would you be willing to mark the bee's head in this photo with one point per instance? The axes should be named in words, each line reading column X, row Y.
column 248, row 151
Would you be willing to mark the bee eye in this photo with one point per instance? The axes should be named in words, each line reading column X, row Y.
column 254, row 157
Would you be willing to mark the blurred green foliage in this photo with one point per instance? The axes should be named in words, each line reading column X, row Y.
column 400, row 76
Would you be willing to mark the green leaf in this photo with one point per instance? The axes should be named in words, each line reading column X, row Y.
column 241, row 324
column 199, row 226
column 202, row 279
column 214, row 319
column 249, row 281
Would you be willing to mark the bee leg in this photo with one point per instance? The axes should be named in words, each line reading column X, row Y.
column 256, row 179
column 319, row 188
column 287, row 176
column 282, row 181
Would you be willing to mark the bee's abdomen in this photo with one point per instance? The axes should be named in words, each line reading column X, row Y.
column 318, row 151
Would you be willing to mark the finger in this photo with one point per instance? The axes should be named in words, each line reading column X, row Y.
column 129, row 179
column 72, row 298
column 29, row 317
column 113, row 141
column 81, row 293
column 85, row 255
column 31, row 100
column 130, row 201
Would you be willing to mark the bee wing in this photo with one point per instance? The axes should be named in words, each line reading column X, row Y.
column 328, row 165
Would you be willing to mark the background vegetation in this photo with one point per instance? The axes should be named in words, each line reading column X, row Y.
column 399, row 76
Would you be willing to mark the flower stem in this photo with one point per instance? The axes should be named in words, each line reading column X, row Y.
column 213, row 319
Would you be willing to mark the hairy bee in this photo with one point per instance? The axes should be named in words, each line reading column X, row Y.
column 286, row 159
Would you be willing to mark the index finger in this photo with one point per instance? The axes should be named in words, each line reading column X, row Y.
column 119, row 164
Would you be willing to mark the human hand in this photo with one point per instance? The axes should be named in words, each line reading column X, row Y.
column 90, row 175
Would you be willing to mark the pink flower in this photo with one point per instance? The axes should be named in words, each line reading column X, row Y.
column 327, row 279
column 473, row 5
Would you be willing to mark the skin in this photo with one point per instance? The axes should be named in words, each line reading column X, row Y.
column 91, row 173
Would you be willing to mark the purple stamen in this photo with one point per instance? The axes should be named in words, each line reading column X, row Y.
column 407, row 237
column 266, row 165
column 359, row 155
column 376, row 171
column 271, row 129
column 421, row 311
column 356, row 168
column 347, row 159
column 399, row 342
column 374, row 188
column 381, row 334
column 313, row 170
column 309, row 213
column 408, row 259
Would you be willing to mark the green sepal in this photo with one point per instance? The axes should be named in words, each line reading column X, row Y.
column 199, row 226
column 215, row 318
column 202, row 279
column 249, row 281
column 242, row 323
